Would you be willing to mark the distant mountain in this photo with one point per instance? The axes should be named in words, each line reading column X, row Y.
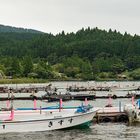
column 10, row 29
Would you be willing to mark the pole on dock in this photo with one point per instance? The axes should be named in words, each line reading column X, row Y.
column 12, row 114
column 109, row 101
column 12, row 99
column 60, row 105
column 8, row 101
column 120, row 106
column 35, row 106
column 8, row 104
column 40, row 110
column 133, row 102
column 86, row 102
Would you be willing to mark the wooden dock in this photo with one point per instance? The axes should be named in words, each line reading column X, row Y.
column 55, row 97
column 111, row 114
column 51, row 98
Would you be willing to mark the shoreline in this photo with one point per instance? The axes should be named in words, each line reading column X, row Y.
column 28, row 80
column 22, row 81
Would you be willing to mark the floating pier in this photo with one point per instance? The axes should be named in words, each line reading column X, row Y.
column 101, row 88
column 110, row 114
column 51, row 98
column 24, row 89
column 65, row 97
column 78, row 89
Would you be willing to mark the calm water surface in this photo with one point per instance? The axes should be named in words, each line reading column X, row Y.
column 107, row 131
column 104, row 131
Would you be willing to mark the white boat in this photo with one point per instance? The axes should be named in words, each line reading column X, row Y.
column 133, row 112
column 128, row 88
column 43, row 120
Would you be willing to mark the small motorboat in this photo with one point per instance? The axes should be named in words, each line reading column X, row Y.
column 27, row 120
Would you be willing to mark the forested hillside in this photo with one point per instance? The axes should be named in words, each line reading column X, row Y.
column 7, row 29
column 87, row 54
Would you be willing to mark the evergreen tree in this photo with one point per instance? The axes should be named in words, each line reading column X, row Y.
column 27, row 65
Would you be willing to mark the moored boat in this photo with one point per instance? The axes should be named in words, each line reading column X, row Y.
column 44, row 119
column 128, row 88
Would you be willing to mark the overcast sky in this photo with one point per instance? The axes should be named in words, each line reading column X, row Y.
column 71, row 15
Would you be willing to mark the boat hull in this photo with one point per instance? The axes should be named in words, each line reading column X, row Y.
column 52, row 121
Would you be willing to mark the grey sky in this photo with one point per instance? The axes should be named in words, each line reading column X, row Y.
column 71, row 15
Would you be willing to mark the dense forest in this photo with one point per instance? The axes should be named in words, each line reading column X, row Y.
column 7, row 29
column 88, row 54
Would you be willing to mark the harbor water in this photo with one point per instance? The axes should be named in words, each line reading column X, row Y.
column 101, row 131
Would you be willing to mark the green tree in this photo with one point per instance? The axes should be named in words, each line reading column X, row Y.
column 27, row 65
column 16, row 68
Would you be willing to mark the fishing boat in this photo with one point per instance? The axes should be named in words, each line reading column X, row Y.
column 28, row 120
column 133, row 111
column 127, row 88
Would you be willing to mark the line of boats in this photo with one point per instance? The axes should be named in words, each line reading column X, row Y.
column 73, row 88
column 102, row 88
